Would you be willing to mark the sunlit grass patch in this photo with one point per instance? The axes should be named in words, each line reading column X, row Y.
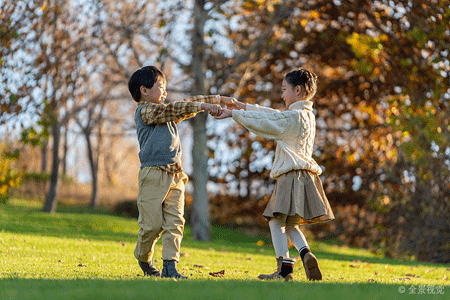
column 76, row 255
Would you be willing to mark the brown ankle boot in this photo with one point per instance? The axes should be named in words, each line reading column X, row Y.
column 311, row 267
column 287, row 269
column 276, row 274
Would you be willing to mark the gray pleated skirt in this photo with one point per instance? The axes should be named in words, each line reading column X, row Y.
column 299, row 192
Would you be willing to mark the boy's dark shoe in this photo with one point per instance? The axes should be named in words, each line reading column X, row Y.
column 170, row 270
column 149, row 269
column 311, row 267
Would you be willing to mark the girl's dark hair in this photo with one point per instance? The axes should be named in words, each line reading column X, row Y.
column 304, row 78
column 146, row 76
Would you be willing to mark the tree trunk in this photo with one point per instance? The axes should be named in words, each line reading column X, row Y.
column 44, row 161
column 65, row 149
column 200, row 203
column 94, row 171
column 50, row 201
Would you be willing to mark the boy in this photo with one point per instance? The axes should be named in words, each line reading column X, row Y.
column 161, row 179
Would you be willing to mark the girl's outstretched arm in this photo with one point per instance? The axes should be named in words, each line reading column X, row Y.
column 232, row 103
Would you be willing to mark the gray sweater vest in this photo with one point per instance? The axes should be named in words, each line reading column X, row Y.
column 159, row 144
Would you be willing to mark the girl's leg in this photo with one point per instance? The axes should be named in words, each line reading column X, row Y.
column 296, row 236
column 279, row 239
column 298, row 239
column 284, row 263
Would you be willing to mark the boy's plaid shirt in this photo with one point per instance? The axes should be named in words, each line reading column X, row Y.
column 176, row 112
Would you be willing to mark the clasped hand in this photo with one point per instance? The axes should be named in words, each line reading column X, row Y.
column 219, row 112
column 213, row 109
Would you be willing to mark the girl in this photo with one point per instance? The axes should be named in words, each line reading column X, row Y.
column 298, row 196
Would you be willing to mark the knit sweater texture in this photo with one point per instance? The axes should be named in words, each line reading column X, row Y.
column 293, row 129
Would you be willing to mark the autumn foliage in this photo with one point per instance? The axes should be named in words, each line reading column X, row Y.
column 382, row 115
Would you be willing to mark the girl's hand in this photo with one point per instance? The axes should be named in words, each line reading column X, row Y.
column 232, row 103
column 225, row 113
column 213, row 109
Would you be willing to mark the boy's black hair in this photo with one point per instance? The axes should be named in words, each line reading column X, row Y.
column 304, row 78
column 146, row 76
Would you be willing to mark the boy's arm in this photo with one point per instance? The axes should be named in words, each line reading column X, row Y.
column 213, row 99
column 177, row 111
column 162, row 113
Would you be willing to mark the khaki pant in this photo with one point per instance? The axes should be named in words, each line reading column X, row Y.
column 161, row 208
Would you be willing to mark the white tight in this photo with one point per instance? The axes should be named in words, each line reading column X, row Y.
column 282, row 228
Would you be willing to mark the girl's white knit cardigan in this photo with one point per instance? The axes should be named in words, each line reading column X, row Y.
column 294, row 130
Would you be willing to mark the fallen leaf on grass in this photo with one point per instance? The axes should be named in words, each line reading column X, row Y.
column 201, row 266
column 444, row 278
column 218, row 274
column 413, row 275
column 354, row 266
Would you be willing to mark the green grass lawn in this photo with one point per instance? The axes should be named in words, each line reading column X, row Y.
column 86, row 255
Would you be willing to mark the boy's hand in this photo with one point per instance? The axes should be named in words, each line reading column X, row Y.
column 213, row 109
column 225, row 113
column 232, row 103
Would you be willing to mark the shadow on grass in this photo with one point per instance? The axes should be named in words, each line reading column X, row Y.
column 82, row 223
column 22, row 218
column 198, row 289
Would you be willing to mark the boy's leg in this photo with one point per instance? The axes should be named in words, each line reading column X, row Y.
column 173, row 220
column 154, row 185
column 173, row 226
